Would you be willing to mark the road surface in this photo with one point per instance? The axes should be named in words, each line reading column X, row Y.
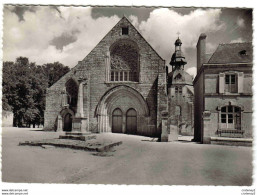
column 137, row 161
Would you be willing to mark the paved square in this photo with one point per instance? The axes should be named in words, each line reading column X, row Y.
column 137, row 161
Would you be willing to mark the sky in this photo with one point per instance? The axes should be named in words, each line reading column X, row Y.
column 47, row 34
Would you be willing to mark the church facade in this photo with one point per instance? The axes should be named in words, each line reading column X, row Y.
column 123, row 86
column 120, row 87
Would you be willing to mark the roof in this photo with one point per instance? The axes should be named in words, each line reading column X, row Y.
column 178, row 42
column 178, row 58
column 191, row 89
column 207, row 57
column 233, row 53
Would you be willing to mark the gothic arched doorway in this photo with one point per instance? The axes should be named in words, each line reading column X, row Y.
column 67, row 122
column 124, row 98
column 131, row 121
column 117, row 121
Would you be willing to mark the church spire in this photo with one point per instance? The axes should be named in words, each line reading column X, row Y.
column 178, row 59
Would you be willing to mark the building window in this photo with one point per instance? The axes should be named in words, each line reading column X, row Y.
column 112, row 76
column 72, row 93
column 124, row 30
column 125, row 76
column 231, row 83
column 122, row 75
column 230, row 117
column 178, row 91
column 124, row 62
column 116, row 76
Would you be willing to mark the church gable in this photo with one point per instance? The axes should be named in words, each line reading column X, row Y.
column 122, row 48
column 125, row 41
column 122, row 58
column 131, row 33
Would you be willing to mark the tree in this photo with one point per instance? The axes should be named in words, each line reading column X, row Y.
column 54, row 71
column 24, row 89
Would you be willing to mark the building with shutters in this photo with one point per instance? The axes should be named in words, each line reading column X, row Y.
column 120, row 86
column 180, row 94
column 223, row 91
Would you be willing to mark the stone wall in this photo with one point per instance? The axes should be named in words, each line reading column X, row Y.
column 212, row 78
column 198, row 106
column 244, row 102
column 185, row 102
column 94, row 68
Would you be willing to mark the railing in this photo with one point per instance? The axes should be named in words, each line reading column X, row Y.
column 230, row 131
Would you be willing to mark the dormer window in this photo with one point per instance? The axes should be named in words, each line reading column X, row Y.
column 243, row 53
column 178, row 77
column 124, row 30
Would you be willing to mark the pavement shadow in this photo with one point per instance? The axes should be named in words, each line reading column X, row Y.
column 188, row 141
column 185, row 141
column 39, row 130
column 151, row 140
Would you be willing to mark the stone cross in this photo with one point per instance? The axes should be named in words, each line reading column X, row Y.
column 178, row 33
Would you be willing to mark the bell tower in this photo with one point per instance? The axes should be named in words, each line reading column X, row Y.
column 178, row 59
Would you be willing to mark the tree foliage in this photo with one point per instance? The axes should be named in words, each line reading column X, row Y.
column 24, row 88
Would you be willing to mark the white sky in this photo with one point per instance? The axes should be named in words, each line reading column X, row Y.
column 47, row 34
column 43, row 189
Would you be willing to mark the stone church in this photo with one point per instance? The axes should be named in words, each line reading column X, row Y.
column 123, row 86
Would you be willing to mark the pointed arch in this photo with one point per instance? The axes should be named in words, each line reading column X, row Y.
column 72, row 91
column 67, row 116
column 115, row 98
column 124, row 61
column 122, row 90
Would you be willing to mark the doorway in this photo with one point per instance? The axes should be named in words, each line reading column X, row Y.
column 67, row 122
column 131, row 121
column 117, row 121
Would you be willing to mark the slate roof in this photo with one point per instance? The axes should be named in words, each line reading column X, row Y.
column 207, row 57
column 233, row 53
column 191, row 89
column 178, row 42
column 178, row 58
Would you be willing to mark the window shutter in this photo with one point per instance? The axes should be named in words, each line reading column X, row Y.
column 240, row 82
column 221, row 82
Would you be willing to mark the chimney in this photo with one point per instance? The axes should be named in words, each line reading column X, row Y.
column 201, row 51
